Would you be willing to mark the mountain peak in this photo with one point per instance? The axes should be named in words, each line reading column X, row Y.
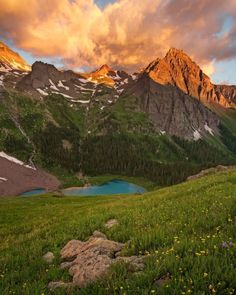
column 104, row 69
column 9, row 59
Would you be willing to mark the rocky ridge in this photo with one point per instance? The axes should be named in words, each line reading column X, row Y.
column 10, row 60
column 179, row 70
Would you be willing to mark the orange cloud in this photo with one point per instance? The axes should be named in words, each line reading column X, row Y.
column 128, row 33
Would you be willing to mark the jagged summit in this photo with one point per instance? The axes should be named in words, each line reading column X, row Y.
column 179, row 70
column 10, row 60
column 104, row 69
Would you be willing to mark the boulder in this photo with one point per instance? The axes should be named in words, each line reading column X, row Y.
column 48, row 257
column 110, row 223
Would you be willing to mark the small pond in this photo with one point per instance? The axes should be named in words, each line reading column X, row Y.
column 112, row 187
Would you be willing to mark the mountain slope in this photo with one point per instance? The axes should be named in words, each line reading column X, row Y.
column 172, row 111
column 186, row 232
column 10, row 60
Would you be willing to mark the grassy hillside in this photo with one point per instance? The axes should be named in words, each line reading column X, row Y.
column 183, row 231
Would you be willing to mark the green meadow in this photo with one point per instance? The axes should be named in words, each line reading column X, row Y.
column 187, row 233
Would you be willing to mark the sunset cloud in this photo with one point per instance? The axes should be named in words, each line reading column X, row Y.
column 127, row 33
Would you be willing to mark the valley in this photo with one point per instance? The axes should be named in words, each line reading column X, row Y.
column 168, row 115
column 151, row 153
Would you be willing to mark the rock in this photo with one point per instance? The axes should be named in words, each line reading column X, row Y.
column 162, row 280
column 66, row 264
column 136, row 262
column 71, row 249
column 89, row 267
column 98, row 234
column 101, row 246
column 110, row 223
column 48, row 257
column 92, row 259
column 210, row 171
column 59, row 284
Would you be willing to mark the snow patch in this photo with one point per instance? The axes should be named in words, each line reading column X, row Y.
column 102, row 108
column 42, row 92
column 163, row 132
column 65, row 95
column 53, row 86
column 84, row 80
column 208, row 129
column 120, row 91
column 196, row 135
column 2, row 179
column 60, row 84
column 134, row 76
column 14, row 160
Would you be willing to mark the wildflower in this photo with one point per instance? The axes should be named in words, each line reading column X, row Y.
column 205, row 274
column 153, row 291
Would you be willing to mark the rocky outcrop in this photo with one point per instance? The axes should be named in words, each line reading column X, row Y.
column 89, row 261
column 210, row 171
column 226, row 92
column 47, row 77
column 178, row 69
column 172, row 111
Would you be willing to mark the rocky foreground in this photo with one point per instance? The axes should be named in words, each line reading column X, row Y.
column 90, row 260
column 17, row 178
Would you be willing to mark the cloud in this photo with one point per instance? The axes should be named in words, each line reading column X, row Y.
column 127, row 33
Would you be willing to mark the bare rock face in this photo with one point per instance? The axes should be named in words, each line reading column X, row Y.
column 226, row 92
column 178, row 69
column 172, row 111
column 92, row 259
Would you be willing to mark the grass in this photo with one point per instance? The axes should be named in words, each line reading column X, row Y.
column 180, row 229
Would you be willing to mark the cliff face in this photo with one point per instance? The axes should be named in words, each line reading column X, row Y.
column 177, row 69
column 226, row 92
column 173, row 111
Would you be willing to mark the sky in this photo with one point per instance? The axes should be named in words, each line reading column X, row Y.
column 126, row 34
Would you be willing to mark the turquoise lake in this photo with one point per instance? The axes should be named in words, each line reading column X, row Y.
column 113, row 187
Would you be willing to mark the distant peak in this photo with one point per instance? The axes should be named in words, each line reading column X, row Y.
column 104, row 69
column 12, row 58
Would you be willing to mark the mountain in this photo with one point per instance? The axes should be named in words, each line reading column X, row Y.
column 172, row 110
column 178, row 69
column 166, row 122
column 10, row 60
column 107, row 76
